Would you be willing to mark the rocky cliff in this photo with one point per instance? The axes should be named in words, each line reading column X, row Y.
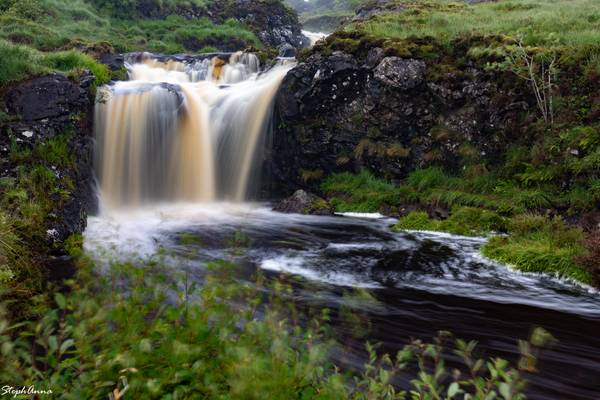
column 46, row 172
column 390, row 111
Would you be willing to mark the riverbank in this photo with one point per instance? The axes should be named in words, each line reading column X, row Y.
column 532, row 238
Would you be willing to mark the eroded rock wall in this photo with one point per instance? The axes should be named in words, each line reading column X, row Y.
column 343, row 112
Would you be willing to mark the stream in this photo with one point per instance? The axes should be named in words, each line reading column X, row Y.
column 419, row 282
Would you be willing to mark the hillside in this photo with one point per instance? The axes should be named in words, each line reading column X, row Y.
column 35, row 34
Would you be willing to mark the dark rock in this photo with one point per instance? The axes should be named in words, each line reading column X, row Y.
column 399, row 73
column 114, row 61
column 286, row 50
column 345, row 112
column 39, row 110
column 324, row 23
column 49, row 96
column 272, row 21
column 60, row 268
column 373, row 8
column 304, row 203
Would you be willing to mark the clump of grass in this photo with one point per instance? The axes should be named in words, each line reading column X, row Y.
column 362, row 192
column 467, row 221
column 18, row 62
column 561, row 22
column 539, row 244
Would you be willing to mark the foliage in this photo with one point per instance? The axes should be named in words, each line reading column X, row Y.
column 539, row 244
column 362, row 192
column 137, row 333
column 28, row 201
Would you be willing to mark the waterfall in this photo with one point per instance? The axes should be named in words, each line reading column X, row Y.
column 190, row 130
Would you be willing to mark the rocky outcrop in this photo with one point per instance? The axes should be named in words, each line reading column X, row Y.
column 304, row 203
column 273, row 22
column 39, row 111
column 376, row 7
column 343, row 112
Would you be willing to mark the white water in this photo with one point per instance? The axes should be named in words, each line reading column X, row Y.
column 139, row 234
column 314, row 37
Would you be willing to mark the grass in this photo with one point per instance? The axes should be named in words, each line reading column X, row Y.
column 18, row 62
column 573, row 23
column 40, row 36
column 535, row 243
column 362, row 192
column 466, row 221
column 29, row 202
column 538, row 244
column 143, row 332
column 77, row 23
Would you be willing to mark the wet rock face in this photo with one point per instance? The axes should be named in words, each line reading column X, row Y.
column 39, row 110
column 302, row 202
column 341, row 112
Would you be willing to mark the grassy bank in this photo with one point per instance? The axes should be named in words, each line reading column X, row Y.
column 35, row 33
column 432, row 200
column 144, row 333
column 572, row 23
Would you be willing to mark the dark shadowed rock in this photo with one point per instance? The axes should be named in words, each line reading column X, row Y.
column 287, row 50
column 50, row 96
column 304, row 203
column 112, row 61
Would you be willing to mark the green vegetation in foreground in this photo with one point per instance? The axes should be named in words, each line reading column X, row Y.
column 31, row 29
column 573, row 23
column 536, row 243
column 122, row 334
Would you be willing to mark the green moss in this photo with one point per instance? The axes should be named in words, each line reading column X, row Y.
column 467, row 221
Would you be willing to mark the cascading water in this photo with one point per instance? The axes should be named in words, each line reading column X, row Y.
column 189, row 131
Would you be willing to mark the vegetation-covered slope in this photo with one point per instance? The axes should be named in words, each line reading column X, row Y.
column 31, row 28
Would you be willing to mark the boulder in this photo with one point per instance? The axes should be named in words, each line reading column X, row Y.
column 286, row 50
column 302, row 202
column 401, row 74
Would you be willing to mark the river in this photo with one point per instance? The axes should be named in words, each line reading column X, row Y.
column 419, row 282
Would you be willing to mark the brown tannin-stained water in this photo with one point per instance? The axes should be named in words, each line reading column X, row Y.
column 181, row 138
